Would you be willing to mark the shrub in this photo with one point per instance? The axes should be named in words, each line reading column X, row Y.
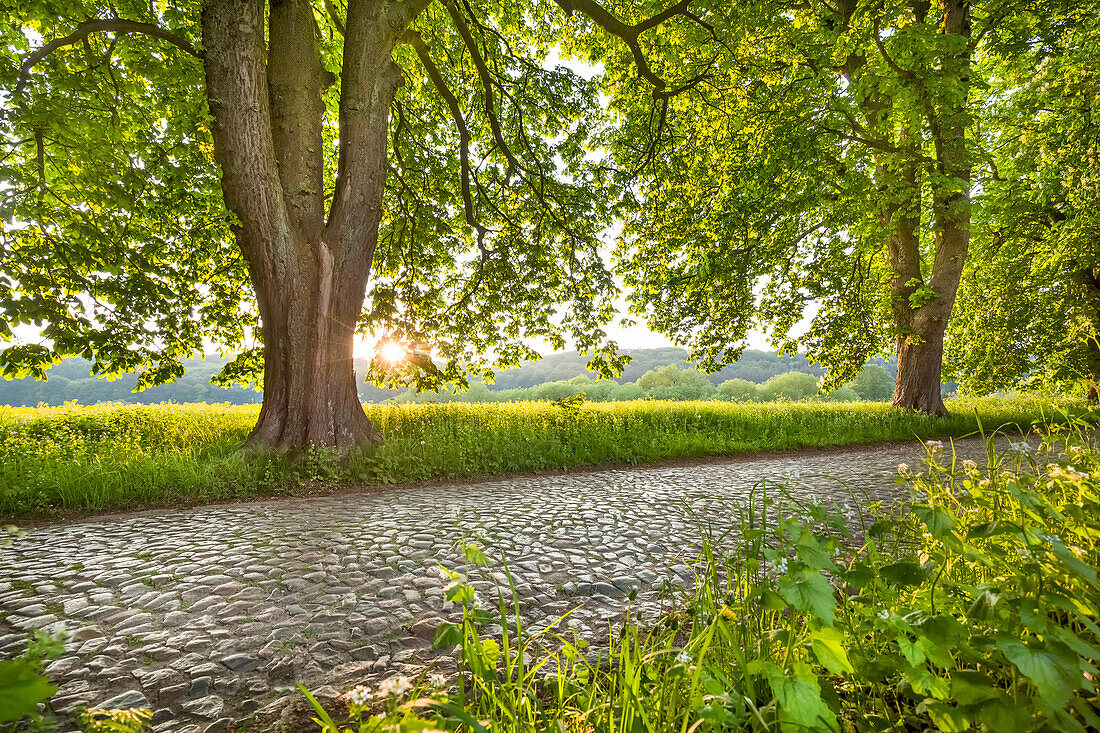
column 672, row 383
column 842, row 394
column 738, row 390
column 873, row 383
column 789, row 386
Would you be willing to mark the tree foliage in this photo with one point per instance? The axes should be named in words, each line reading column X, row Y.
column 1031, row 300
column 828, row 161
column 789, row 386
column 872, row 382
column 117, row 241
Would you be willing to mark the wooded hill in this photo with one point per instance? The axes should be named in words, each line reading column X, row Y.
column 72, row 380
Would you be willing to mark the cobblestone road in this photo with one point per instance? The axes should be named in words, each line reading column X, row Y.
column 207, row 615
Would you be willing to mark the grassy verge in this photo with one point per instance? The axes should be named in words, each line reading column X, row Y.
column 976, row 608
column 76, row 459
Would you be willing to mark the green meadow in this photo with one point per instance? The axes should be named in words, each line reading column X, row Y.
column 80, row 459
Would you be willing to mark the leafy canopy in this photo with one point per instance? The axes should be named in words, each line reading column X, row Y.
column 115, row 239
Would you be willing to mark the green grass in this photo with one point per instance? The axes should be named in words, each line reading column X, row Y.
column 975, row 607
column 73, row 459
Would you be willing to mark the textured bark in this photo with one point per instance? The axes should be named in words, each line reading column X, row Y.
column 920, row 362
column 1089, row 279
column 920, row 329
column 310, row 276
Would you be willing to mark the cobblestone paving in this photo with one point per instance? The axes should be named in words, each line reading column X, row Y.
column 207, row 615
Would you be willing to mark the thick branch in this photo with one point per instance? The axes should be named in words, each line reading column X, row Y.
column 294, row 80
column 369, row 80
column 114, row 25
column 334, row 16
column 628, row 34
column 680, row 8
column 405, row 12
column 237, row 92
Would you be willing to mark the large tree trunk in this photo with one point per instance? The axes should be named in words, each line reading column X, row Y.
column 1090, row 281
column 920, row 363
column 310, row 390
column 309, row 275
column 920, row 325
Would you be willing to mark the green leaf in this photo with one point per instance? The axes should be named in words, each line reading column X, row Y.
column 809, row 591
column 938, row 521
column 447, row 636
column 828, row 646
column 1054, row 676
column 925, row 682
column 475, row 556
column 1007, row 715
column 21, row 689
column 904, row 574
column 969, row 687
column 1067, row 556
column 913, row 651
column 948, row 719
column 800, row 705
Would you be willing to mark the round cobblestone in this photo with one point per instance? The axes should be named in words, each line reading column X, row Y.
column 215, row 612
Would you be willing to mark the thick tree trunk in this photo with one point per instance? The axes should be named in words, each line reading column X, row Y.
column 920, row 363
column 310, row 276
column 310, row 390
column 920, row 334
column 1090, row 281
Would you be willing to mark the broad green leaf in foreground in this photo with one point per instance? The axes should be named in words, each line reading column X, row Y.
column 21, row 689
column 809, row 591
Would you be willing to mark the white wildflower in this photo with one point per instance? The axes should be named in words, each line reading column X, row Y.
column 781, row 564
column 969, row 465
column 437, row 680
column 683, row 657
column 884, row 615
column 903, row 468
column 934, row 445
column 394, row 686
column 358, row 695
column 1067, row 473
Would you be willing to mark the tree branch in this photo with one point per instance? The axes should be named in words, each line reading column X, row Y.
column 112, row 25
column 414, row 39
column 405, row 12
column 628, row 34
column 486, row 83
column 334, row 16
column 916, row 81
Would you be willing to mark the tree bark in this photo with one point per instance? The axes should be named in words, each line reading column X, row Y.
column 920, row 326
column 309, row 275
column 920, row 363
column 1090, row 281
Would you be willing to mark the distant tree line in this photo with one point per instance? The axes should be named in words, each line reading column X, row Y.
column 71, row 380
column 672, row 382
column 655, row 373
